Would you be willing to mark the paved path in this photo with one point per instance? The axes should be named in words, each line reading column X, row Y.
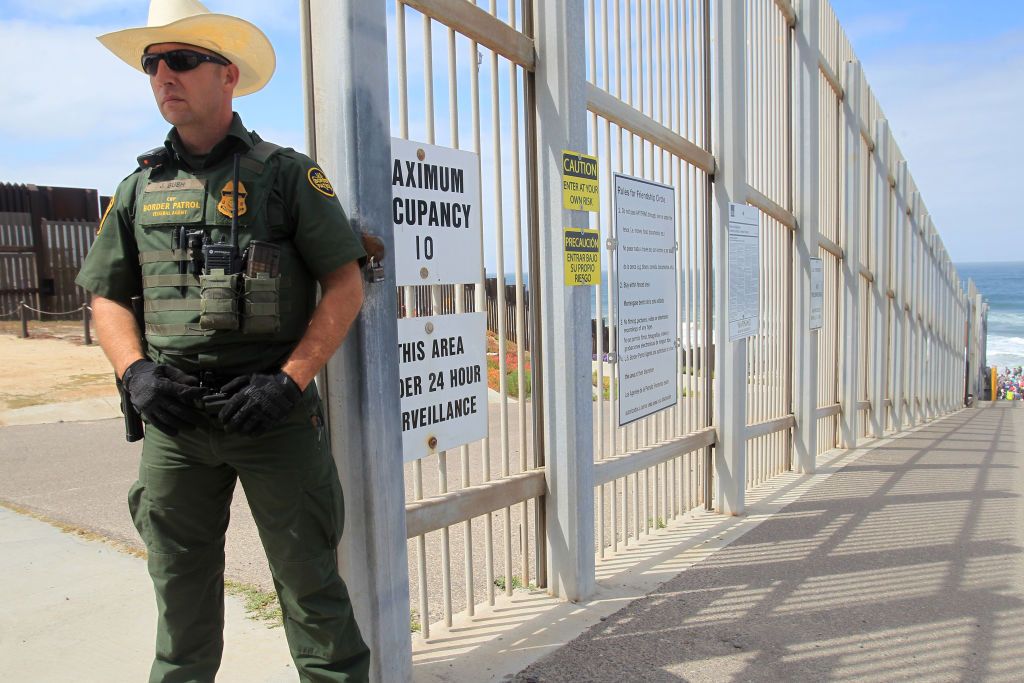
column 905, row 564
column 908, row 564
column 82, row 611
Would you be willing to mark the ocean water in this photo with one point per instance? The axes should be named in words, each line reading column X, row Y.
column 1002, row 286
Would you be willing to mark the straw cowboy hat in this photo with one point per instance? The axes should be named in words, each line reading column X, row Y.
column 188, row 21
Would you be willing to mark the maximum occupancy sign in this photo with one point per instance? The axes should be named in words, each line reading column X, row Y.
column 436, row 207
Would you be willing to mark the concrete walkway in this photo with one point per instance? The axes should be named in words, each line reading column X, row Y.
column 83, row 611
column 899, row 560
column 907, row 564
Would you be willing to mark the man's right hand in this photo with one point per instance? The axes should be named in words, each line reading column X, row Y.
column 164, row 395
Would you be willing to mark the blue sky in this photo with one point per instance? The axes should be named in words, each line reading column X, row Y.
column 950, row 77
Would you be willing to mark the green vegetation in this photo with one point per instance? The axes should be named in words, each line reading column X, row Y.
column 512, row 383
column 260, row 605
column 511, row 366
column 607, row 385
column 517, row 583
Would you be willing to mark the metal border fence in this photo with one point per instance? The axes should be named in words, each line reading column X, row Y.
column 759, row 102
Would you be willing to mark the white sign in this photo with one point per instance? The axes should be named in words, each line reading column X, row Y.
column 817, row 294
column 442, row 369
column 647, row 331
column 435, row 207
column 744, row 271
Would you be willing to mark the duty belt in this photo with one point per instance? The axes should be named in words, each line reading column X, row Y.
column 208, row 379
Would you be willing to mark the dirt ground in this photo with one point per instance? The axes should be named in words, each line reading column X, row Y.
column 52, row 366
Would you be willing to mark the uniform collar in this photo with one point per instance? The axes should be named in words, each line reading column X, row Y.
column 238, row 139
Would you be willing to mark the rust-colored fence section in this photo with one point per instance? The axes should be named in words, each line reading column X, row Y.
column 498, row 310
column 19, row 278
column 65, row 244
column 59, row 253
column 45, row 233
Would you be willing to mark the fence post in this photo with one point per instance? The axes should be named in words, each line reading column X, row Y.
column 879, row 287
column 23, row 311
column 807, row 171
column 981, row 331
column 851, row 360
column 85, row 324
column 913, row 328
column 928, row 318
column 729, row 146
column 348, row 123
column 561, row 109
column 899, row 317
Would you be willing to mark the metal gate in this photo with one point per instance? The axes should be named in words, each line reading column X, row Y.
column 759, row 102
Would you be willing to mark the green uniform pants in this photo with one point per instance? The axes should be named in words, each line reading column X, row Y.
column 180, row 506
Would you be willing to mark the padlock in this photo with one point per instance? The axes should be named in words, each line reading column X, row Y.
column 374, row 270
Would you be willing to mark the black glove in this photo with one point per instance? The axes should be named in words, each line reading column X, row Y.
column 164, row 395
column 258, row 402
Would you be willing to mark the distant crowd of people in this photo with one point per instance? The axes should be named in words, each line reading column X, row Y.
column 1010, row 385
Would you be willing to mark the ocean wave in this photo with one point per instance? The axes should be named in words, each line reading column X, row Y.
column 1005, row 345
column 1004, row 352
column 1006, row 321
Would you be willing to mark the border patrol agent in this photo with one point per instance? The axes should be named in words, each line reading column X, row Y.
column 221, row 323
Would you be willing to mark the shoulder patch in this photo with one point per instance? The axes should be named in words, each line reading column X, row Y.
column 318, row 179
column 106, row 213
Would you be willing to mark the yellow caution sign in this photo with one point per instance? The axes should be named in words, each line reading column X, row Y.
column 580, row 189
column 582, row 257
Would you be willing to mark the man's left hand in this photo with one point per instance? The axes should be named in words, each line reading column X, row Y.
column 258, row 402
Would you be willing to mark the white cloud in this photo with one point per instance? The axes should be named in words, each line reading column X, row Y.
column 73, row 113
column 267, row 14
column 955, row 110
column 264, row 13
column 72, row 10
column 70, row 87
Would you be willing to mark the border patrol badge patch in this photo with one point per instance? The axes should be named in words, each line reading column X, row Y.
column 319, row 181
column 227, row 202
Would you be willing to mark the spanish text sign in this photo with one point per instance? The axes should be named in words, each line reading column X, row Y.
column 647, row 333
column 744, row 271
column 435, row 207
column 580, row 188
column 582, row 256
column 442, row 369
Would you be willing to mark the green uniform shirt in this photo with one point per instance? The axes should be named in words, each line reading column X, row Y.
column 301, row 194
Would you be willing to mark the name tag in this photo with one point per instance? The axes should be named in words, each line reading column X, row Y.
column 177, row 185
column 171, row 202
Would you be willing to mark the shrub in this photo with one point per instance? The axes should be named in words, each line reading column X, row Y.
column 512, row 383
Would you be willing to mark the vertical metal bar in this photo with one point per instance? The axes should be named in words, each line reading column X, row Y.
column 435, row 298
column 606, row 47
column 348, row 46
column 879, row 297
column 499, row 240
column 710, row 353
column 536, row 302
column 520, row 312
column 629, row 55
column 460, row 307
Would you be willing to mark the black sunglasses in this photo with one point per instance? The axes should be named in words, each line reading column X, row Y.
column 178, row 60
